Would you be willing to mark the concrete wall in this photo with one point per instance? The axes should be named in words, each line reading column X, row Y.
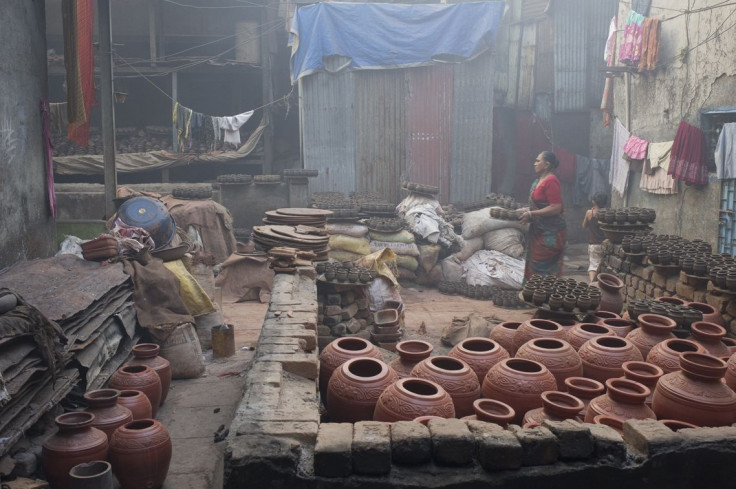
column 678, row 90
column 27, row 230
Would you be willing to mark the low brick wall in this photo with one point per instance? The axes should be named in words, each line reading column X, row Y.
column 277, row 440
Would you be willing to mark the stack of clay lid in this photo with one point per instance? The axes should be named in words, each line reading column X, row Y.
column 303, row 238
column 295, row 216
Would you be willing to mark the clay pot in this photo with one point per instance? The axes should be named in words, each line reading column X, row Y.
column 604, row 356
column 480, row 354
column 504, row 334
column 709, row 336
column 666, row 355
column 567, row 324
column 581, row 333
column 492, row 411
column 558, row 356
column 644, row 373
column 426, row 419
column 141, row 378
column 91, row 475
column 599, row 316
column 652, row 329
column 407, row 399
column 676, row 425
column 696, row 394
column 555, row 301
column 710, row 314
column 76, row 442
column 730, row 344
column 612, row 298
column 730, row 376
column 568, row 302
column 103, row 403
column 148, row 354
column 624, row 399
column 537, row 328
column 340, row 351
column 621, row 327
column 140, row 453
column 455, row 376
column 556, row 406
column 137, row 403
column 672, row 300
column 354, row 388
column 410, row 353
column 518, row 383
column 539, row 297
column 615, row 423
column 585, row 390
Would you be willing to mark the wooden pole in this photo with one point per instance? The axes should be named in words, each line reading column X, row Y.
column 107, row 106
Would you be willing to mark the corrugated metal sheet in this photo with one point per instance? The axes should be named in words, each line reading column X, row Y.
column 428, row 109
column 533, row 8
column 327, row 126
column 472, row 127
column 571, row 58
column 600, row 14
column 544, row 75
column 380, row 158
column 515, row 32
column 525, row 87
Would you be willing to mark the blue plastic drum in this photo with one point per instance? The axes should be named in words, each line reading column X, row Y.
column 151, row 215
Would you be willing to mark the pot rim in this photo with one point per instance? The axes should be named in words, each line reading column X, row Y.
column 610, row 421
column 676, row 424
column 702, row 365
column 544, row 325
column 593, row 387
column 405, row 349
column 656, row 323
column 462, row 346
column 510, row 325
column 102, row 396
column 627, row 391
column 345, row 345
column 439, row 391
column 75, row 420
column 624, row 343
column 355, row 363
column 563, row 402
column 588, row 326
column 640, row 371
column 503, row 411
column 667, row 345
column 435, row 364
column 515, row 363
column 707, row 330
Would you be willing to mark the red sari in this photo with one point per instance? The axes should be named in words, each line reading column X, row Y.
column 547, row 235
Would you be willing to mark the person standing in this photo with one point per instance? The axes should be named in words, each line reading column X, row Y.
column 547, row 228
column 595, row 235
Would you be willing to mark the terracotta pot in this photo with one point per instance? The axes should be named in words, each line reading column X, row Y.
column 581, row 333
column 76, row 442
column 599, row 316
column 612, row 299
column 144, row 445
column 710, row 314
column 480, row 354
column 492, row 411
column 103, row 403
column 666, row 355
column 407, row 399
column 91, row 475
column 426, row 419
column 148, row 354
column 615, row 423
column 624, row 399
column 652, row 329
column 696, row 394
column 141, row 378
column 137, row 402
column 585, row 390
column 410, row 353
column 676, row 425
column 672, row 300
column 518, row 383
column 621, row 326
column 537, row 328
column 504, row 334
column 604, row 356
column 567, row 324
column 709, row 336
column 455, row 376
column 340, row 351
column 644, row 373
column 730, row 344
column 354, row 388
column 556, row 406
column 730, row 376
column 558, row 356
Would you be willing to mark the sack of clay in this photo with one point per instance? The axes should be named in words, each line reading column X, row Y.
column 342, row 256
column 403, row 236
column 431, row 278
column 407, row 275
column 428, row 256
column 408, row 262
column 469, row 247
column 452, row 269
column 508, row 241
column 182, row 349
column 478, row 223
column 352, row 230
column 407, row 249
column 360, row 246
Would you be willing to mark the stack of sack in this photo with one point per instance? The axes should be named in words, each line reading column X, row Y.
column 348, row 241
column 403, row 245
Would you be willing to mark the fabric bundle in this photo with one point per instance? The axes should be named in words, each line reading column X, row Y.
column 688, row 157
column 651, row 30
column 636, row 148
column 654, row 177
column 630, row 52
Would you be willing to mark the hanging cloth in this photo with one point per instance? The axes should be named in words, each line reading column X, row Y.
column 609, row 55
column 591, row 177
column 654, row 177
column 619, row 175
column 651, row 30
column 688, row 159
column 566, row 169
column 231, row 126
column 631, row 45
column 725, row 154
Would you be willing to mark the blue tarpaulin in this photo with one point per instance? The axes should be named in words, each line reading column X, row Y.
column 381, row 35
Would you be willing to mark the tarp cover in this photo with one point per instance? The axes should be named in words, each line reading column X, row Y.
column 380, row 35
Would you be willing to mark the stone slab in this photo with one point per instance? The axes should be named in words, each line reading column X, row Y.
column 496, row 448
column 452, row 442
column 411, row 443
column 371, row 448
column 650, row 437
column 539, row 445
column 333, row 451
column 575, row 440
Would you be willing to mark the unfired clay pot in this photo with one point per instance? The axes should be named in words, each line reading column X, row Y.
column 410, row 353
column 558, row 356
column 696, row 394
column 409, row 398
column 504, row 334
column 354, row 388
column 556, row 406
column 340, row 351
column 652, row 329
column 141, row 378
column 109, row 415
column 140, row 453
column 147, row 354
column 666, row 355
column 492, row 411
column 455, row 376
column 604, row 356
column 710, row 336
column 585, row 390
column 137, row 402
column 624, row 399
column 620, row 326
column 538, row 328
column 644, row 373
column 480, row 354
column 582, row 332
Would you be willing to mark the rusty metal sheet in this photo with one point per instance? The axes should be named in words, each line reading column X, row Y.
column 570, row 55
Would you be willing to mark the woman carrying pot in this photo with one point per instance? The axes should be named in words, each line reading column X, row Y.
column 547, row 229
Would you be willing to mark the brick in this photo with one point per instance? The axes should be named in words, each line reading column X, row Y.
column 699, row 296
column 574, row 438
column 685, row 291
column 323, row 330
column 650, row 437
column 362, row 302
column 347, row 298
column 642, row 286
column 302, row 431
column 609, row 444
column 630, row 291
column 539, row 445
column 299, row 343
column 671, row 284
column 292, row 331
column 332, row 320
column 659, row 280
column 340, row 329
column 333, row 311
column 657, row 292
column 249, row 453
column 363, row 314
column 320, row 318
column 452, row 442
column 353, row 326
column 333, row 451
column 333, row 299
column 307, row 320
column 634, row 281
column 638, row 270
column 496, row 448
column 640, row 295
column 348, row 312
column 649, row 290
column 411, row 443
column 371, row 448
column 302, row 364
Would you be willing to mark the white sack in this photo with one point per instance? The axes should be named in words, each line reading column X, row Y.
column 452, row 270
column 495, row 269
column 508, row 241
column 469, row 247
column 353, row 230
column 478, row 223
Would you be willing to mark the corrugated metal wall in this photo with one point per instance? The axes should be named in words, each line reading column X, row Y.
column 600, row 14
column 525, row 87
column 472, row 130
column 533, row 8
column 571, row 59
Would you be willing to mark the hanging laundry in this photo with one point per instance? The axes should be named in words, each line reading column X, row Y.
column 610, row 51
column 631, row 45
column 725, row 154
column 654, row 177
column 688, row 159
column 591, row 177
column 619, row 172
column 231, row 126
column 79, row 61
column 636, row 148
column 651, row 30
column 59, row 117
column 566, row 169
column 609, row 55
column 217, row 127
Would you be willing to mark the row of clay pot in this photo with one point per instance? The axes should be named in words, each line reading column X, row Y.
column 630, row 215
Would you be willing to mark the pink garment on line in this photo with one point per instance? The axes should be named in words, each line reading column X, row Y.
column 636, row 148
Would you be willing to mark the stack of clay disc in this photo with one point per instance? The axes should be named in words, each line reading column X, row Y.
column 296, row 216
column 305, row 238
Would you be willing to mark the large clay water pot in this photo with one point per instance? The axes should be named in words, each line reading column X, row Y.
column 666, row 355
column 455, row 376
column 538, row 328
column 140, row 453
column 141, row 378
column 556, row 406
column 710, row 336
column 410, row 353
column 710, row 314
column 91, row 475
column 340, row 351
column 598, row 316
column 354, row 388
column 148, row 354
column 652, row 329
column 558, row 356
column 696, row 393
column 480, row 354
column 504, row 334
column 612, row 298
column 584, row 389
column 137, row 402
column 620, row 326
column 410, row 398
column 582, row 332
column 645, row 373
column 603, row 357
column 624, row 399
column 109, row 415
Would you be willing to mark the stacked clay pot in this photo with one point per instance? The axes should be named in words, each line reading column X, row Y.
column 624, row 399
column 455, row 376
column 409, row 398
column 504, row 334
column 148, row 354
column 652, row 329
column 410, row 353
column 696, row 393
column 141, row 378
column 557, row 355
column 710, row 314
column 137, row 402
column 109, row 415
column 612, row 299
column 537, row 328
column 480, row 354
column 666, row 355
column 603, row 357
column 140, row 453
column 340, row 351
column 355, row 387
column 556, row 406
column 644, row 373
column 518, row 383
column 584, row 389
column 710, row 336
column 492, row 411
column 582, row 332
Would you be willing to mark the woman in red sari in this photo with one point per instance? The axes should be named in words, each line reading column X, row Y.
column 547, row 229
